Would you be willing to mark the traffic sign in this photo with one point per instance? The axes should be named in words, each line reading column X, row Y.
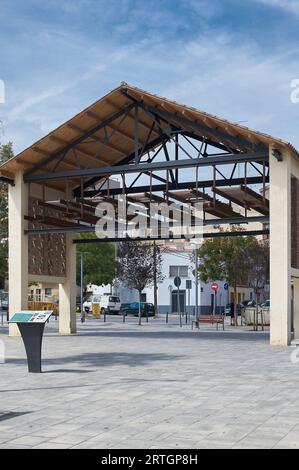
column 214, row 286
column 177, row 281
column 225, row 286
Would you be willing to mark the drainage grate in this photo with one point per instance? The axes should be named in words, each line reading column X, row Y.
column 11, row 414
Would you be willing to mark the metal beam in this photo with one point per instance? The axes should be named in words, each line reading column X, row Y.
column 207, row 222
column 80, row 139
column 201, row 235
column 178, row 186
column 222, row 136
column 136, row 168
column 3, row 179
column 150, row 146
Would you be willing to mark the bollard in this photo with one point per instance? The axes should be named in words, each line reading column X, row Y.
column 146, row 316
column 166, row 317
column 124, row 318
column 186, row 320
column 181, row 320
column 104, row 316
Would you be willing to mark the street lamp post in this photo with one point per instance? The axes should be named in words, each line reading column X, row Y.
column 82, row 253
column 196, row 282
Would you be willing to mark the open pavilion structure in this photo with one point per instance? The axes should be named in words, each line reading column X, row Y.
column 160, row 151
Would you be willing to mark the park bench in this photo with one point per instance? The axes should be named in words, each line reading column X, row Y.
column 208, row 319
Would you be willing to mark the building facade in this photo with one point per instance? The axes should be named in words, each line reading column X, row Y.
column 172, row 300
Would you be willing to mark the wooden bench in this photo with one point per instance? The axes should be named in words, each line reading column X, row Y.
column 208, row 319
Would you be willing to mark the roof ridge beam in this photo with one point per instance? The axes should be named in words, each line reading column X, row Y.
column 239, row 141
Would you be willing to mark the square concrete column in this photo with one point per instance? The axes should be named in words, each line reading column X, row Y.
column 17, row 249
column 280, row 250
column 67, row 291
column 296, row 307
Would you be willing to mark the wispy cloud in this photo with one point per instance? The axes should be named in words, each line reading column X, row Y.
column 291, row 6
column 64, row 67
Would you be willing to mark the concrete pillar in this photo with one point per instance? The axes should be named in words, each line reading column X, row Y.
column 280, row 250
column 296, row 307
column 67, row 291
column 18, row 249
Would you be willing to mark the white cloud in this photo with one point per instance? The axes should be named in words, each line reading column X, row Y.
column 213, row 72
column 291, row 6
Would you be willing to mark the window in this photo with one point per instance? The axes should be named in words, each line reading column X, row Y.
column 181, row 271
column 48, row 291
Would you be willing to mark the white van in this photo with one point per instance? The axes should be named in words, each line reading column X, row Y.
column 108, row 303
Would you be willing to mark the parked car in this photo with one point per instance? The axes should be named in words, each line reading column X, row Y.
column 4, row 301
column 266, row 304
column 132, row 308
column 249, row 303
column 239, row 309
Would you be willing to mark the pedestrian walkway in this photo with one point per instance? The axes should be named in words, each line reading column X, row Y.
column 116, row 385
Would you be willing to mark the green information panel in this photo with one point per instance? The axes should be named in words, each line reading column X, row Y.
column 28, row 316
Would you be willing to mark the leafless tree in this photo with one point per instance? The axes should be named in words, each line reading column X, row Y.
column 257, row 258
column 139, row 266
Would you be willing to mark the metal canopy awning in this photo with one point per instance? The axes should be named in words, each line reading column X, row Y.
column 135, row 134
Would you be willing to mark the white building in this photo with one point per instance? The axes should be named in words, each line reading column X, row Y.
column 179, row 262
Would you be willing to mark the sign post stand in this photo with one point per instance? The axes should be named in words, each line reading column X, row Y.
column 31, row 325
column 214, row 287
column 177, row 282
column 188, row 287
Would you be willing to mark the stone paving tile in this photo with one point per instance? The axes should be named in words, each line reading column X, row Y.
column 69, row 439
column 153, row 386
column 28, row 440
column 51, row 445
column 256, row 443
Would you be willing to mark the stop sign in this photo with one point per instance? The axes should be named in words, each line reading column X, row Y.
column 214, row 286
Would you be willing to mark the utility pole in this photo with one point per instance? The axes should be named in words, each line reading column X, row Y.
column 155, row 280
column 81, row 284
column 82, row 253
column 196, row 281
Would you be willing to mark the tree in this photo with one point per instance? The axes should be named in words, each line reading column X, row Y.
column 223, row 258
column 99, row 261
column 6, row 152
column 257, row 257
column 3, row 264
column 139, row 265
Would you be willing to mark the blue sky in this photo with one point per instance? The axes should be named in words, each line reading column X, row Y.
column 228, row 57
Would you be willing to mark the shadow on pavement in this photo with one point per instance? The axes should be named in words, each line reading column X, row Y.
column 101, row 359
column 195, row 335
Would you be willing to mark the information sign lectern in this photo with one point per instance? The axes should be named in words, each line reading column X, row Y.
column 31, row 325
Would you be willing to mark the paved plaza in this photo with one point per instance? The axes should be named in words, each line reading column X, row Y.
column 116, row 385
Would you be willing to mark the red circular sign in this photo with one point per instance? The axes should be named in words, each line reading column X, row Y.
column 214, row 286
